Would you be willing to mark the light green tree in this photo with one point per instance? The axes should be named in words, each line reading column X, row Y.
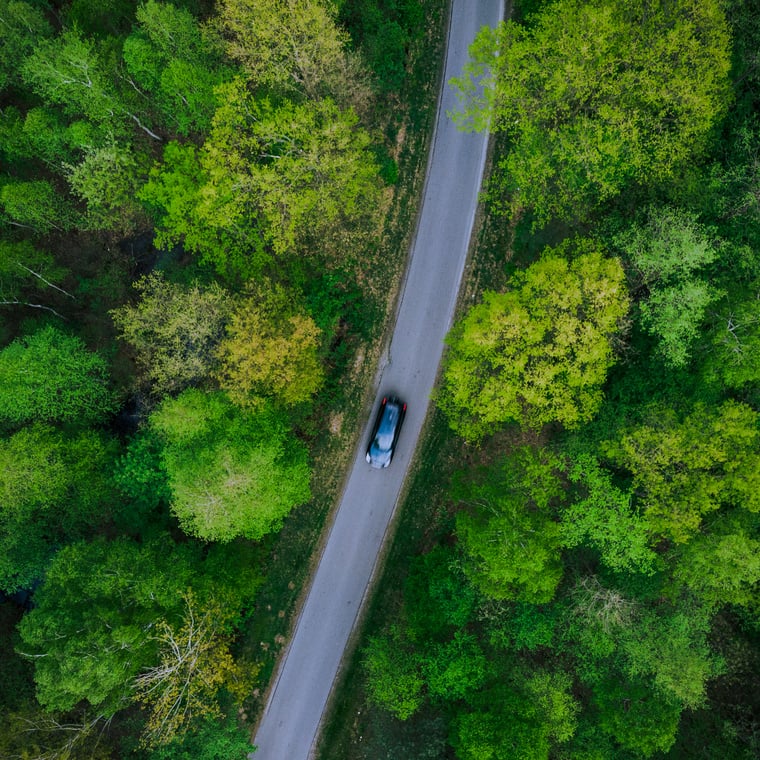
column 35, row 205
column 604, row 516
column 107, row 180
column 54, row 487
column 231, row 474
column 508, row 534
column 667, row 247
column 685, row 469
column 291, row 48
column 538, row 353
column 589, row 104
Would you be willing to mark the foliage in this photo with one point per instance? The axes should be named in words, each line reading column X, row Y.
column 270, row 350
column 51, row 376
column 35, row 205
column 23, row 25
column 687, row 469
column 667, row 250
column 54, row 487
column 508, row 535
column 270, row 180
column 178, row 62
column 194, row 664
column 603, row 516
column 26, row 269
column 540, row 352
column 588, row 102
column 231, row 474
column 289, row 48
column 638, row 719
column 107, row 179
column 92, row 628
column 174, row 330
column 393, row 675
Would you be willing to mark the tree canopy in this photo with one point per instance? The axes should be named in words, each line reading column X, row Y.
column 596, row 96
column 230, row 473
column 539, row 352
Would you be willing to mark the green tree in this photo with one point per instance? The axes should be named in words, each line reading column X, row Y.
column 667, row 249
column 635, row 716
column 588, row 102
column 194, row 663
column 509, row 538
column 51, row 376
column 174, row 330
column 177, row 62
column 92, row 628
column 22, row 27
column 291, row 48
column 68, row 71
column 271, row 349
column 35, row 205
column 721, row 564
column 540, row 352
column 26, row 272
column 231, row 474
column 107, row 179
column 394, row 678
column 733, row 348
column 54, row 487
column 604, row 516
column 686, row 469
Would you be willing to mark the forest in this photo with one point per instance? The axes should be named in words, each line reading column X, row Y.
column 203, row 206
column 194, row 198
column 575, row 571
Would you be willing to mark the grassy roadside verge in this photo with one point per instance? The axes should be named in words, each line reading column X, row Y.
column 406, row 121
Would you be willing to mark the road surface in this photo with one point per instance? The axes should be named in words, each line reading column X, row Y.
column 302, row 685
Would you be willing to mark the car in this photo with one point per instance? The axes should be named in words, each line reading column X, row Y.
column 382, row 442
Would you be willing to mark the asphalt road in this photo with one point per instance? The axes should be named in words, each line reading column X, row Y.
column 291, row 719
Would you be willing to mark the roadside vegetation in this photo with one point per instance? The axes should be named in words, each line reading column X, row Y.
column 576, row 568
column 204, row 222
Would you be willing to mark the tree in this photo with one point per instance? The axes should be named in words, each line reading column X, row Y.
column 92, row 629
column 638, row 718
column 291, row 48
column 51, row 376
column 35, row 205
column 604, row 516
column 394, row 680
column 26, row 272
column 508, row 535
column 304, row 172
column 54, row 487
column 177, row 62
column 686, row 469
column 271, row 349
column 540, row 352
column 107, row 179
column 194, row 664
column 22, row 27
column 517, row 719
column 67, row 71
column 231, row 474
column 721, row 564
column 667, row 249
column 174, row 330
column 587, row 101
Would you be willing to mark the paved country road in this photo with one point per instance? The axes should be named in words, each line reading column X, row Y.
column 303, row 681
